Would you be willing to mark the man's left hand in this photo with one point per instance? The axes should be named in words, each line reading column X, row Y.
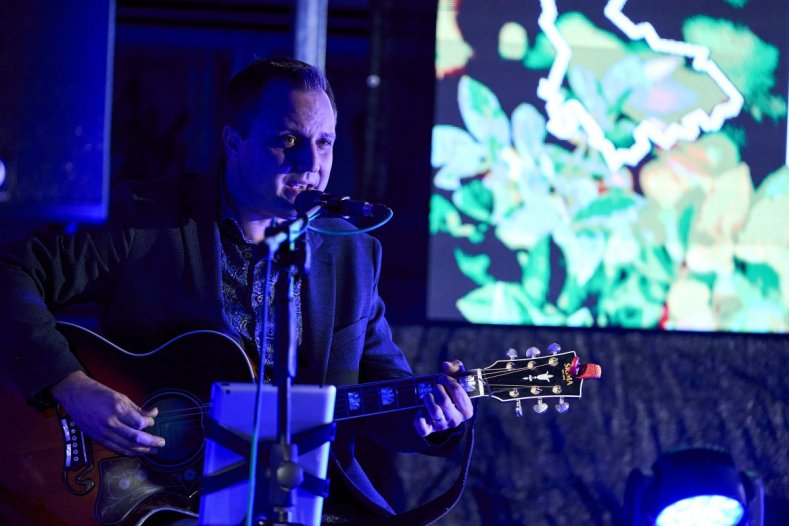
column 447, row 407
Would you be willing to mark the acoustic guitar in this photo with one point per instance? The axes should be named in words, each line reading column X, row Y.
column 53, row 474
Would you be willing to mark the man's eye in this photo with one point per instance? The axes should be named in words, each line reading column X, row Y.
column 288, row 141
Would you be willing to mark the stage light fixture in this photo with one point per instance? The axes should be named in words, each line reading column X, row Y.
column 695, row 486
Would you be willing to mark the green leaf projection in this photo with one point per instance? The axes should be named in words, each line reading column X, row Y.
column 603, row 164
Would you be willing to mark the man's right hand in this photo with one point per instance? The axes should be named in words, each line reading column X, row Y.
column 107, row 415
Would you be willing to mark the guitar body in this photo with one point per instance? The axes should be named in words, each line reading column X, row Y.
column 50, row 473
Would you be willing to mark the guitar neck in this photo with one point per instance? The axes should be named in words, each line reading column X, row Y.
column 354, row 401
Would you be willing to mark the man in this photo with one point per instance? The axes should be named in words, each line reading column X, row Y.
column 186, row 254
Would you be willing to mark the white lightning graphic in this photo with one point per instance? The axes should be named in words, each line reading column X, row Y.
column 566, row 116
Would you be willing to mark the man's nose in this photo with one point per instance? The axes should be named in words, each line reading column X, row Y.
column 307, row 158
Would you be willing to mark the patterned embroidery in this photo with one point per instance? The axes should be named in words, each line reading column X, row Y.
column 243, row 263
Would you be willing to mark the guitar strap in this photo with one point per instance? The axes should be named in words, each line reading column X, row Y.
column 435, row 509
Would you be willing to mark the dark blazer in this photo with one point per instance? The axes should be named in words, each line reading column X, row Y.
column 155, row 273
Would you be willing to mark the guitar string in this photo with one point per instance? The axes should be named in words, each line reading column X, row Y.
column 199, row 410
column 176, row 414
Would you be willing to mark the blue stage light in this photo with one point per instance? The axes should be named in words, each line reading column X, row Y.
column 711, row 510
column 699, row 486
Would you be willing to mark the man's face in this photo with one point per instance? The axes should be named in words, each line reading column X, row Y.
column 289, row 149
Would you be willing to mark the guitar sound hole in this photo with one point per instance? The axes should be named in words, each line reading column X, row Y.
column 180, row 422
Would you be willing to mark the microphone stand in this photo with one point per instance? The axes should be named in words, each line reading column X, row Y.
column 286, row 247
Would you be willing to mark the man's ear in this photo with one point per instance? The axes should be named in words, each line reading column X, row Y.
column 232, row 141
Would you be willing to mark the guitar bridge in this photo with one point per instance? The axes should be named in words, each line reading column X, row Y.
column 77, row 457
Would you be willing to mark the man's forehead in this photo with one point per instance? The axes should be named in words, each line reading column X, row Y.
column 281, row 100
column 280, row 89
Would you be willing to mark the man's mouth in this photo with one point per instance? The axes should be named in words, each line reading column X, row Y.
column 300, row 186
column 292, row 189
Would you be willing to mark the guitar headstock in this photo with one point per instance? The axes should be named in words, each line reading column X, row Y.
column 557, row 375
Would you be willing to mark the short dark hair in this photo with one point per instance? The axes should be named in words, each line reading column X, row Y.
column 244, row 89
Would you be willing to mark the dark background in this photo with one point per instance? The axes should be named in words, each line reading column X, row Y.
column 658, row 390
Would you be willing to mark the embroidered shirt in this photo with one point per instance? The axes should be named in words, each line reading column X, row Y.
column 245, row 298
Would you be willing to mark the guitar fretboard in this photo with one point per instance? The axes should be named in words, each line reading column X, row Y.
column 382, row 397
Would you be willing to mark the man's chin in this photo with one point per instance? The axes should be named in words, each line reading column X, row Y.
column 289, row 194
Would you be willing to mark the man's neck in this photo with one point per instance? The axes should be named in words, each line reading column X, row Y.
column 254, row 229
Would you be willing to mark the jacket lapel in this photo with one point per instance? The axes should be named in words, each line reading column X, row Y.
column 318, row 293
column 201, row 198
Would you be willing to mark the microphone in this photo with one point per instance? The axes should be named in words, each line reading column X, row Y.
column 338, row 206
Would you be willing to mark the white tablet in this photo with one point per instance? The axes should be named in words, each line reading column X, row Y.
column 232, row 406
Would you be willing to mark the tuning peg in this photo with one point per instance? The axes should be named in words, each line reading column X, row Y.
column 518, row 409
column 512, row 353
column 554, row 348
column 540, row 407
column 531, row 352
column 562, row 406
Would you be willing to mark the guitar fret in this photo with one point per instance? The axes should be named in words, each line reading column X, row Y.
column 371, row 401
column 340, row 405
column 406, row 393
